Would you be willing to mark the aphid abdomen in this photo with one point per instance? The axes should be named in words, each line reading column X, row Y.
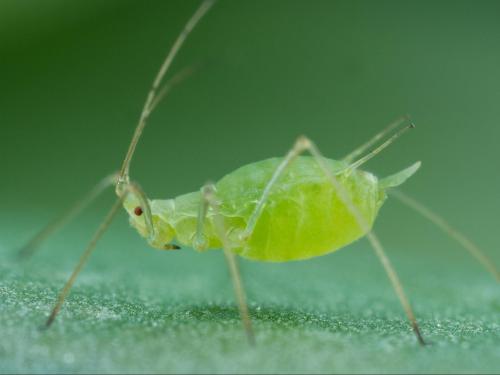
column 304, row 217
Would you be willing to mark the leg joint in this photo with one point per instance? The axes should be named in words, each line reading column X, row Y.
column 302, row 143
column 208, row 191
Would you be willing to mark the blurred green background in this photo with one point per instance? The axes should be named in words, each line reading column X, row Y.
column 74, row 77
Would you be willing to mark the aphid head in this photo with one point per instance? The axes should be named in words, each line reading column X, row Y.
column 149, row 218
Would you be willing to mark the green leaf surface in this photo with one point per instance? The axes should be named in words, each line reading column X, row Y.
column 150, row 311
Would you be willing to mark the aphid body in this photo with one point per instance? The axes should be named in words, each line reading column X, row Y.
column 303, row 216
column 279, row 209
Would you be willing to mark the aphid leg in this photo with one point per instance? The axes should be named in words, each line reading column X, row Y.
column 200, row 242
column 304, row 144
column 209, row 200
column 470, row 246
column 33, row 244
column 83, row 259
column 375, row 242
column 358, row 151
column 123, row 185
column 297, row 149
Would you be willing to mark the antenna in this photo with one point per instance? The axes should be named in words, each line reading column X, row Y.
column 152, row 95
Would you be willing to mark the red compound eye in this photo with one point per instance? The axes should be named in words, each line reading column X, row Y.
column 138, row 211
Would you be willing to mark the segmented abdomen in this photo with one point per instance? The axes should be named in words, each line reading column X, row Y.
column 304, row 217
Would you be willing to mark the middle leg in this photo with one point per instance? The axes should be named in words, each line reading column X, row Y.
column 209, row 200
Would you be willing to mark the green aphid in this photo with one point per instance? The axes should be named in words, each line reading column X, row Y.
column 302, row 217
column 276, row 210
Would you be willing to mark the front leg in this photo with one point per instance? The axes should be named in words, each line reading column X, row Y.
column 208, row 200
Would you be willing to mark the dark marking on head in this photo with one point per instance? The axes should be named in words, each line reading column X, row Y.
column 138, row 211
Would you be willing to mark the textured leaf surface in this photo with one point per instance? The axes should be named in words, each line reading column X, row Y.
column 173, row 312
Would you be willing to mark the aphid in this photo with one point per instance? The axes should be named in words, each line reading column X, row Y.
column 279, row 209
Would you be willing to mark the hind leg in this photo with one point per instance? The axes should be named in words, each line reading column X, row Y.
column 308, row 145
column 302, row 145
column 441, row 223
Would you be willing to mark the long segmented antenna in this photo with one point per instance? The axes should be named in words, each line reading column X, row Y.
column 123, row 184
column 467, row 244
column 169, row 85
column 365, row 146
column 150, row 99
column 83, row 259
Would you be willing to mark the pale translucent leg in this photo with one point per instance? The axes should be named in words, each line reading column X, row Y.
column 123, row 185
column 296, row 150
column 304, row 144
column 132, row 187
column 364, row 147
column 209, row 200
column 200, row 242
column 83, row 259
column 377, row 246
column 470, row 246
column 33, row 244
